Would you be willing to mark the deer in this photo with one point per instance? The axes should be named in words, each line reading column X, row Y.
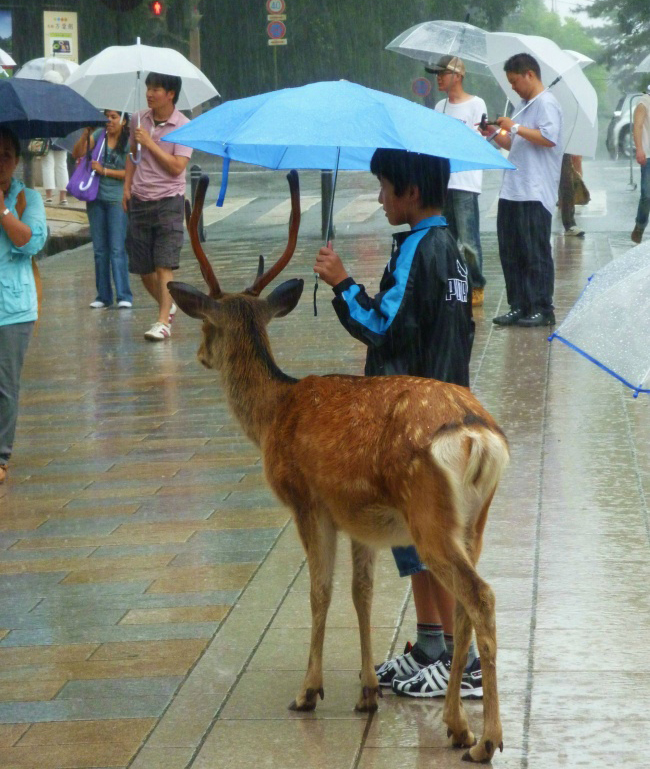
column 421, row 467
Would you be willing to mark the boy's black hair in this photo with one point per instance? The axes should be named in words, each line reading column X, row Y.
column 168, row 82
column 429, row 173
column 9, row 135
column 521, row 63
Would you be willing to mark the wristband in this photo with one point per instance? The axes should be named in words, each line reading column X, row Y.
column 514, row 129
column 5, row 212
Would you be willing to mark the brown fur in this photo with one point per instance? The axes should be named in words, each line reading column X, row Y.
column 388, row 460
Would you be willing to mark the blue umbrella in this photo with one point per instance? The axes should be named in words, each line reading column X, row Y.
column 38, row 109
column 334, row 125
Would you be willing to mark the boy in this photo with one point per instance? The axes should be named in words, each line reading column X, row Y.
column 420, row 323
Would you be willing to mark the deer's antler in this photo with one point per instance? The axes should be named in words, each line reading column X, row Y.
column 192, row 216
column 262, row 280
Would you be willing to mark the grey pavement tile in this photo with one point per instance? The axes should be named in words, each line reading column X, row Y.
column 109, row 633
column 237, row 539
column 164, row 686
column 82, row 709
column 77, row 526
column 26, row 581
column 143, row 601
column 61, row 620
column 219, row 557
column 46, row 554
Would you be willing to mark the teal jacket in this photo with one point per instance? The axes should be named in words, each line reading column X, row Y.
column 18, row 303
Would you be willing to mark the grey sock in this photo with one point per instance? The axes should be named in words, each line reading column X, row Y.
column 430, row 640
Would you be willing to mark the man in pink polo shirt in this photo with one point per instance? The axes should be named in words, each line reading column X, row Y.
column 154, row 197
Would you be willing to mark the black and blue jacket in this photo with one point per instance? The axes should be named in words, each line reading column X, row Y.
column 420, row 322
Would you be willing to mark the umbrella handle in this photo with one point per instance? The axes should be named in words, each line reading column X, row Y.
column 135, row 159
column 86, row 185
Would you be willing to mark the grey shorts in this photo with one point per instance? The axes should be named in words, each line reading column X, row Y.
column 154, row 234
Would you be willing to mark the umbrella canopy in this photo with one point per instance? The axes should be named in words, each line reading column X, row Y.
column 36, row 68
column 115, row 77
column 644, row 66
column 583, row 61
column 430, row 40
column 575, row 93
column 610, row 322
column 329, row 125
column 35, row 108
column 6, row 60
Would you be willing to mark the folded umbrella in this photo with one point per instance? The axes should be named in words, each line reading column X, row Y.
column 38, row 109
column 610, row 323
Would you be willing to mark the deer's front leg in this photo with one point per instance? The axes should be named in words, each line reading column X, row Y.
column 319, row 540
column 363, row 569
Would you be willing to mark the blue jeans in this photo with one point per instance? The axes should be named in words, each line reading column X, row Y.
column 644, row 201
column 407, row 561
column 461, row 213
column 108, row 231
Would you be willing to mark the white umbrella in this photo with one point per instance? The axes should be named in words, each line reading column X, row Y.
column 115, row 77
column 644, row 66
column 575, row 93
column 36, row 68
column 6, row 60
column 428, row 41
column 583, row 61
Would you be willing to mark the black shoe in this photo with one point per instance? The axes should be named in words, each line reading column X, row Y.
column 509, row 319
column 538, row 319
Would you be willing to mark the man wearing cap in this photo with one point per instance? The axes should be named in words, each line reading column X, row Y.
column 528, row 195
column 461, row 205
column 641, row 134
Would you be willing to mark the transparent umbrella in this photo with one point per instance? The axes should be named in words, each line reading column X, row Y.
column 34, row 69
column 575, row 93
column 610, row 323
column 644, row 66
column 6, row 60
column 430, row 40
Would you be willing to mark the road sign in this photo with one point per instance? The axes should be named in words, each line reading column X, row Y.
column 277, row 17
column 281, row 41
column 275, row 6
column 276, row 30
column 421, row 86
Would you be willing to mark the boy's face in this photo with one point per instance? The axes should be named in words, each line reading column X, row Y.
column 158, row 97
column 523, row 85
column 395, row 207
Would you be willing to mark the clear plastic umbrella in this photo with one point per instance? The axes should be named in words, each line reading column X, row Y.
column 583, row 61
column 575, row 93
column 644, row 66
column 36, row 68
column 610, row 323
column 430, row 40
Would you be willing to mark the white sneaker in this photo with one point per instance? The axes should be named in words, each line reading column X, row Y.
column 158, row 332
column 172, row 312
column 575, row 232
column 124, row 305
column 97, row 305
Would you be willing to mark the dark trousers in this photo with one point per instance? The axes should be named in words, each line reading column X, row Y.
column 524, row 233
column 14, row 339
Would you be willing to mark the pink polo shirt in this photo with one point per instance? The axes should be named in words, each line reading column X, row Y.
column 150, row 181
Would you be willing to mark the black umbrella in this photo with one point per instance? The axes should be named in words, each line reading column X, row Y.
column 35, row 108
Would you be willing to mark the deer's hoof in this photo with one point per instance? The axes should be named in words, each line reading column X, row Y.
column 482, row 753
column 462, row 739
column 368, row 701
column 309, row 701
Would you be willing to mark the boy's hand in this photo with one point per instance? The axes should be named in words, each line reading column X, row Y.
column 329, row 266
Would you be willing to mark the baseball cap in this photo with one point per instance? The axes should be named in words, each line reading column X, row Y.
column 448, row 64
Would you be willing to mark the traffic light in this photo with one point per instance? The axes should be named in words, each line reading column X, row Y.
column 157, row 8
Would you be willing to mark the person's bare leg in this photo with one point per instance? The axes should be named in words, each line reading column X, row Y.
column 163, row 276
column 150, row 282
column 433, row 604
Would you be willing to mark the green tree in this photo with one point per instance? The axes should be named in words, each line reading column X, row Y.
column 625, row 36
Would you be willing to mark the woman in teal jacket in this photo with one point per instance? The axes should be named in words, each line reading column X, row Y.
column 23, row 231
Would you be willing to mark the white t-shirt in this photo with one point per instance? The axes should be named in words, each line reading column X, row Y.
column 537, row 175
column 470, row 113
column 645, row 131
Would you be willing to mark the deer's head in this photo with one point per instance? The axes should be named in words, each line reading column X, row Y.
column 230, row 317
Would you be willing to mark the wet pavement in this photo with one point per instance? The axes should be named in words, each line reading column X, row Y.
column 155, row 609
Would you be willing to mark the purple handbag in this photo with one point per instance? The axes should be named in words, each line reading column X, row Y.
column 84, row 182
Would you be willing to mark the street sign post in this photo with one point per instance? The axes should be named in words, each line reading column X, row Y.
column 276, row 30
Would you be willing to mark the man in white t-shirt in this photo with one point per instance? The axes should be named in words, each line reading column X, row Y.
column 461, row 206
column 641, row 133
column 528, row 195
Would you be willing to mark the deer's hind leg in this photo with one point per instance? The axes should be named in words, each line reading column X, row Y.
column 363, row 567
column 319, row 540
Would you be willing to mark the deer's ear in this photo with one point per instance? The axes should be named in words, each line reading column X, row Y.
column 193, row 302
column 285, row 297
